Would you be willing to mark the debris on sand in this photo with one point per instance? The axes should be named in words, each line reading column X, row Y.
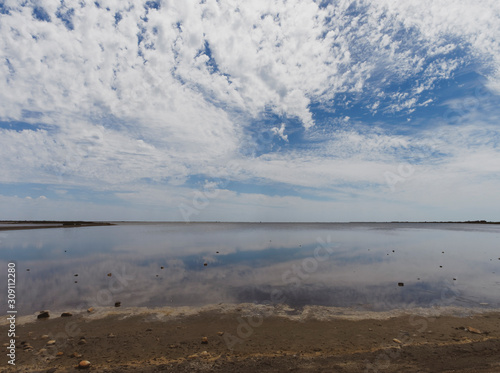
column 43, row 315
column 474, row 330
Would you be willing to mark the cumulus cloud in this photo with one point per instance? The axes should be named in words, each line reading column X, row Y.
column 131, row 95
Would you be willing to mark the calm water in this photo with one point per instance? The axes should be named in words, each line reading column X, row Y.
column 354, row 265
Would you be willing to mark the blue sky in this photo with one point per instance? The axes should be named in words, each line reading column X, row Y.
column 250, row 111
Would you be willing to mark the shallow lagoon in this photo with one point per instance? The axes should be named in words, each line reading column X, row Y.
column 344, row 265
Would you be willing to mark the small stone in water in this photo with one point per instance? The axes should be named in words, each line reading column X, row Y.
column 401, row 284
column 118, row 304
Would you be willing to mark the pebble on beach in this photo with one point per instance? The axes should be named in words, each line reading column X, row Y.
column 90, row 310
column 473, row 330
column 51, row 342
column 204, row 340
column 66, row 314
column 118, row 304
column 84, row 364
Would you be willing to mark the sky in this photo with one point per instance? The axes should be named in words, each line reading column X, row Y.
column 262, row 110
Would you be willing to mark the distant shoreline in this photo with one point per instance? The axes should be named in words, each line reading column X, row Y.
column 46, row 224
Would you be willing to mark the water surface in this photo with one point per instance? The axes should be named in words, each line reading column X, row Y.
column 194, row 264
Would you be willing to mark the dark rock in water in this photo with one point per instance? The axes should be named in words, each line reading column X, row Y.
column 162, row 267
column 401, row 284
column 27, row 269
column 118, row 304
column 43, row 315
column 66, row 314
column 110, row 274
column 205, row 264
column 76, row 275
column 454, row 279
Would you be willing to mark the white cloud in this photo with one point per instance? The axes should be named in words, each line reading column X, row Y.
column 131, row 102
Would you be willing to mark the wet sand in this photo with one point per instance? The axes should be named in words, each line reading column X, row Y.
column 251, row 338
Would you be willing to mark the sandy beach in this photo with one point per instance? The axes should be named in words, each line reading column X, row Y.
column 257, row 338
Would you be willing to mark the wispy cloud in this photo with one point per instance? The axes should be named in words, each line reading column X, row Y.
column 323, row 99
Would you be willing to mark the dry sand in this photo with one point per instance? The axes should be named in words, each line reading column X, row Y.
column 252, row 338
